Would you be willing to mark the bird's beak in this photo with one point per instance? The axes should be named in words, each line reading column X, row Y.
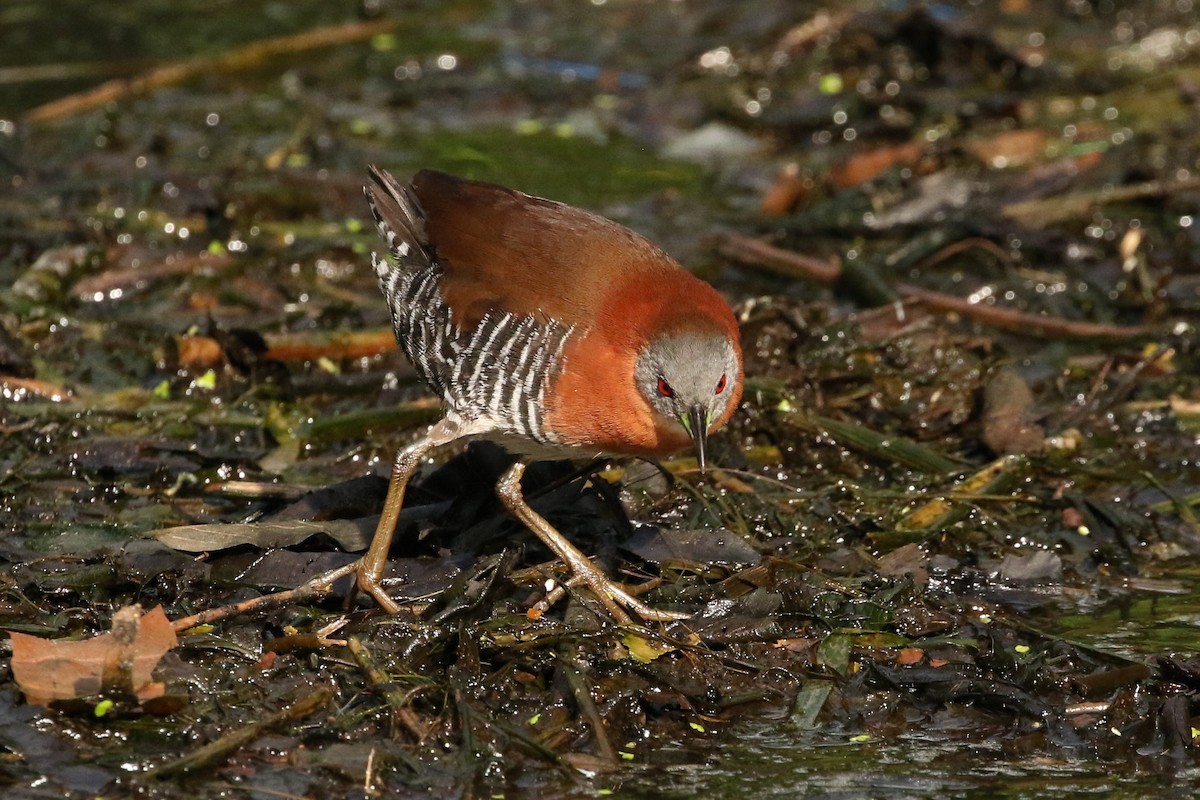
column 696, row 423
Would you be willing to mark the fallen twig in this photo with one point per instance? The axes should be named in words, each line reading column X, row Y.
column 580, row 690
column 398, row 699
column 757, row 253
column 784, row 262
column 220, row 749
column 315, row 587
column 1047, row 210
column 1013, row 321
column 244, row 57
column 123, row 282
column 340, row 345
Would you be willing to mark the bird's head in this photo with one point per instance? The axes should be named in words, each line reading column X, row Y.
column 692, row 378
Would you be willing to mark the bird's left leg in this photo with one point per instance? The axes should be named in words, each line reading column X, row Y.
column 614, row 598
column 370, row 567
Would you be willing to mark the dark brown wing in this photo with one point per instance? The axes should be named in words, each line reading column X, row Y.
column 504, row 250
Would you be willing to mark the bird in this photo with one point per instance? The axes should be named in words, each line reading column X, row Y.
column 552, row 331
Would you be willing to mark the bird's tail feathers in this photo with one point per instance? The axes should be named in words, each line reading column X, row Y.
column 401, row 222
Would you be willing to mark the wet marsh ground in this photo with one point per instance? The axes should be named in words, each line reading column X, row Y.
column 952, row 542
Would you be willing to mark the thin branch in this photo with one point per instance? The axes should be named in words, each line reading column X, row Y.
column 318, row 586
column 217, row 751
column 245, row 57
column 1013, row 321
column 1047, row 210
column 757, row 253
column 784, row 262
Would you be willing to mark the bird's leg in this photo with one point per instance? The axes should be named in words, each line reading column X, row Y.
column 607, row 591
column 370, row 567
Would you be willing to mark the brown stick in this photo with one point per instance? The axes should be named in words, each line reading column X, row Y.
column 170, row 74
column 1047, row 210
column 583, row 699
column 217, row 751
column 784, row 262
column 129, row 280
column 962, row 245
column 318, row 586
column 1014, row 321
column 398, row 699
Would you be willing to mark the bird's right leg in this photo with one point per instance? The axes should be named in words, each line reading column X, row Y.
column 370, row 567
column 614, row 598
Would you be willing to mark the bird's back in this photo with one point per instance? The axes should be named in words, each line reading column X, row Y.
column 501, row 249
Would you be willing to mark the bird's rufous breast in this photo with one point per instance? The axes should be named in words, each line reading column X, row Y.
column 594, row 401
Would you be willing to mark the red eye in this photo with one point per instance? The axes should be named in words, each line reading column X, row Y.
column 664, row 388
column 720, row 385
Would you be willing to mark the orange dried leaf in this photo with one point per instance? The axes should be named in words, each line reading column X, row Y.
column 909, row 656
column 13, row 388
column 199, row 352
column 1071, row 518
column 788, row 191
column 1087, row 161
column 203, row 301
column 1009, row 148
column 121, row 660
column 863, row 167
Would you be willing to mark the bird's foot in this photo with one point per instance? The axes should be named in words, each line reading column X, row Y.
column 617, row 599
column 367, row 579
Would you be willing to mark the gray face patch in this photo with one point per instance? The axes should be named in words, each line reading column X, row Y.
column 678, row 371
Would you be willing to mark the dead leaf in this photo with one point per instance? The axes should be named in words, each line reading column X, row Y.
column 691, row 549
column 351, row 535
column 789, row 189
column 199, row 352
column 1037, row 567
column 1008, row 148
column 1009, row 421
column 14, row 388
column 862, row 167
column 1072, row 518
column 909, row 560
column 120, row 661
column 645, row 650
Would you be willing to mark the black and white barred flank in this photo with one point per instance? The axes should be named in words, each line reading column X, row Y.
column 497, row 372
